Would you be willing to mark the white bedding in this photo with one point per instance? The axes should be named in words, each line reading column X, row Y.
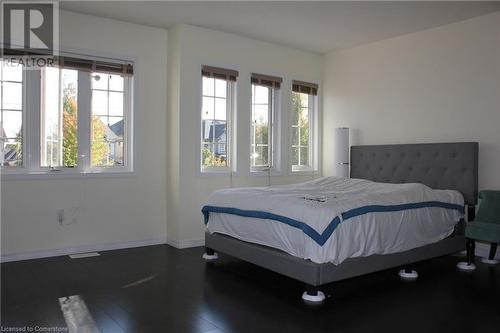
column 349, row 218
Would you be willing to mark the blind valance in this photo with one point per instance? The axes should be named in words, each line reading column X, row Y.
column 125, row 69
column 305, row 87
column 219, row 73
column 266, row 80
column 74, row 62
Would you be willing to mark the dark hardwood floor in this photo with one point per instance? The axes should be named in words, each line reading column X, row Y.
column 162, row 289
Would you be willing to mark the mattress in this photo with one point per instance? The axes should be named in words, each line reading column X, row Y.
column 332, row 219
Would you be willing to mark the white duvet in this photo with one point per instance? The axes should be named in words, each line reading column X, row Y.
column 331, row 219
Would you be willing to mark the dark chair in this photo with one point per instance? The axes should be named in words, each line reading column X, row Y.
column 485, row 227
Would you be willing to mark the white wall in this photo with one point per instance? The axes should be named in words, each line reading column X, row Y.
column 111, row 211
column 194, row 47
column 438, row 85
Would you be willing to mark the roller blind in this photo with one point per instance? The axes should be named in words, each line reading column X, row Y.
column 219, row 73
column 74, row 62
column 266, row 80
column 305, row 87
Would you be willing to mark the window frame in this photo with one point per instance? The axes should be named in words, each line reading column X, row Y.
column 32, row 123
column 24, row 104
column 313, row 144
column 230, row 115
column 128, row 135
column 272, row 130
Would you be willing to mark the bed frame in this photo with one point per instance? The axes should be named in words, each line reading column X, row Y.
column 452, row 166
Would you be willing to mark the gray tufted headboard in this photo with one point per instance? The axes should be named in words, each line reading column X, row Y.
column 450, row 166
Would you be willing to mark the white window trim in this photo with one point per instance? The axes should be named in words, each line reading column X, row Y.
column 32, row 124
column 313, row 148
column 128, row 137
column 270, row 146
column 230, row 133
column 18, row 170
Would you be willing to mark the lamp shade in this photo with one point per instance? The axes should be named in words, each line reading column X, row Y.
column 341, row 152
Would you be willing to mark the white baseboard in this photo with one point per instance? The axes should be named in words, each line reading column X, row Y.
column 185, row 243
column 80, row 249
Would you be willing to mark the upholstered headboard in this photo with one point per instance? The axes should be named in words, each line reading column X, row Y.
column 451, row 166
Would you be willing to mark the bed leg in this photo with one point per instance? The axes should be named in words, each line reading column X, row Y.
column 471, row 247
column 210, row 254
column 491, row 258
column 408, row 274
column 468, row 266
column 312, row 295
column 471, row 213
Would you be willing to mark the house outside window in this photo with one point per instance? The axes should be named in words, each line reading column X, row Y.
column 216, row 118
column 304, row 116
column 262, row 134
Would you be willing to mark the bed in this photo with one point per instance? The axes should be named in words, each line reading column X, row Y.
column 439, row 181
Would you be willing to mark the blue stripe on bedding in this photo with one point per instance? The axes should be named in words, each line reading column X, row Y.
column 323, row 237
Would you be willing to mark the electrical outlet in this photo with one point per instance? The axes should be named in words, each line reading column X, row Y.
column 73, row 214
column 60, row 216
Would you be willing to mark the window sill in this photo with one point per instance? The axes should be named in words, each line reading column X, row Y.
column 65, row 174
column 304, row 171
column 265, row 172
column 215, row 172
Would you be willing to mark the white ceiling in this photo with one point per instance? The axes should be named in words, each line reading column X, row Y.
column 314, row 26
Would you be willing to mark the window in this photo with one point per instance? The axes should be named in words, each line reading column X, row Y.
column 108, row 120
column 59, row 117
column 79, row 115
column 11, row 115
column 262, row 121
column 261, row 127
column 303, row 116
column 216, row 114
column 214, row 122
